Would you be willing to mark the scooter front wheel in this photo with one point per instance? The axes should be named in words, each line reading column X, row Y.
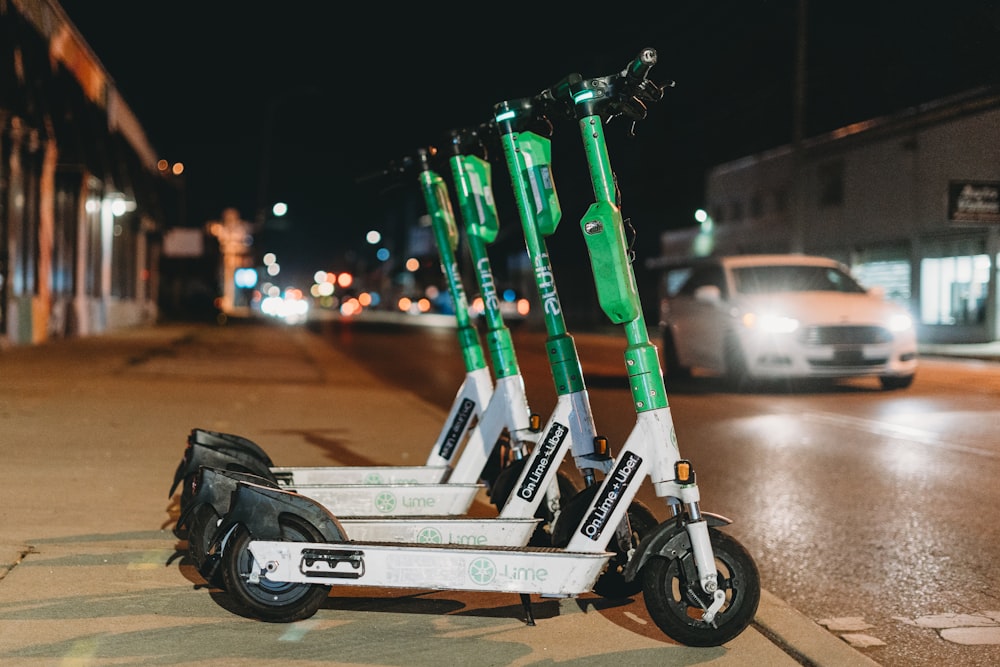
column 676, row 602
column 273, row 601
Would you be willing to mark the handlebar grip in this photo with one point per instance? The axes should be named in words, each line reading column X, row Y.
column 637, row 70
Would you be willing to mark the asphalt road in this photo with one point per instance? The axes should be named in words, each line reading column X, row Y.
column 862, row 506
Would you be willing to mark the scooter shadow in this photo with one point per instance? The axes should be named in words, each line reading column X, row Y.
column 439, row 603
column 628, row 613
column 187, row 568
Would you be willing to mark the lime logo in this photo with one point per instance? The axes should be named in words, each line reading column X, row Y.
column 373, row 478
column 385, row 502
column 429, row 535
column 482, row 571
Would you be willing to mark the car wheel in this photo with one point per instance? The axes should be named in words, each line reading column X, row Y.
column 890, row 382
column 672, row 367
column 737, row 375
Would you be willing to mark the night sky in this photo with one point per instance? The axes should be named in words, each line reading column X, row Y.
column 334, row 91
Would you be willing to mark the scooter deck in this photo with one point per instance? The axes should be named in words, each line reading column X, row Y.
column 353, row 500
column 297, row 477
column 530, row 570
column 441, row 530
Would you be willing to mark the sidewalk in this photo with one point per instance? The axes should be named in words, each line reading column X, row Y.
column 91, row 432
column 980, row 351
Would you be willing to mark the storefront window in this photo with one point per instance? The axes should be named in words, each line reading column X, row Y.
column 954, row 289
column 893, row 276
column 886, row 267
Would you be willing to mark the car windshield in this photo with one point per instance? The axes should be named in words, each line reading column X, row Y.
column 771, row 279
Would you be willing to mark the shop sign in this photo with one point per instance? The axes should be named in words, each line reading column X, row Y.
column 974, row 202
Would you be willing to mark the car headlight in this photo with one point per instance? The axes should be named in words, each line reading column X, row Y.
column 770, row 323
column 900, row 322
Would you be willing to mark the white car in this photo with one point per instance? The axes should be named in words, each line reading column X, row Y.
column 762, row 317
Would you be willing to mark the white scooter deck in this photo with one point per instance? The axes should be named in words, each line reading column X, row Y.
column 441, row 530
column 395, row 499
column 291, row 477
column 537, row 571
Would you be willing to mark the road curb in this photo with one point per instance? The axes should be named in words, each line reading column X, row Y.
column 803, row 638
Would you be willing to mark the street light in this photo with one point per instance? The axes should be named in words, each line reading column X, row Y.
column 267, row 140
column 704, row 241
column 173, row 173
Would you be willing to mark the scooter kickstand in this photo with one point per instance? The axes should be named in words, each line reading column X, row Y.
column 529, row 617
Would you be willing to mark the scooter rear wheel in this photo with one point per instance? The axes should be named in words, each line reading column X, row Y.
column 612, row 583
column 273, row 601
column 676, row 602
column 504, row 485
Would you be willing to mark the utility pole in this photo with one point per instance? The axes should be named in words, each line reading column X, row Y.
column 798, row 207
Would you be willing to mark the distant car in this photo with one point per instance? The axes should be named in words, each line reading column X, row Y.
column 759, row 317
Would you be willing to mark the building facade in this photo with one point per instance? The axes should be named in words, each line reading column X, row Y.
column 80, row 188
column 911, row 202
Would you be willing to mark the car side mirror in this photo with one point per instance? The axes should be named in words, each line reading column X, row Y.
column 877, row 292
column 708, row 293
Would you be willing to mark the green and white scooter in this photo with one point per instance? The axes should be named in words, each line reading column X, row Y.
column 699, row 584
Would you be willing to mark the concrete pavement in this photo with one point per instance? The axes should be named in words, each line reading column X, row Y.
column 91, row 432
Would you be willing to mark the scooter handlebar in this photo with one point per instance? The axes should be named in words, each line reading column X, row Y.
column 393, row 169
column 459, row 141
column 472, row 140
column 557, row 99
column 636, row 90
column 624, row 93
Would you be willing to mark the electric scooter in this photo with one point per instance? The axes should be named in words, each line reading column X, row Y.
column 700, row 585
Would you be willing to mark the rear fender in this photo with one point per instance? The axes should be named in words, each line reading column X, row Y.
column 213, row 490
column 228, row 441
column 669, row 539
column 571, row 515
column 214, row 487
column 259, row 509
column 196, row 456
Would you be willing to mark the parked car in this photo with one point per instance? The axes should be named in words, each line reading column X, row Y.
column 759, row 317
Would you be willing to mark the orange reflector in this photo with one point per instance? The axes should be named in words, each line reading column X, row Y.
column 682, row 469
column 601, row 445
column 536, row 423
